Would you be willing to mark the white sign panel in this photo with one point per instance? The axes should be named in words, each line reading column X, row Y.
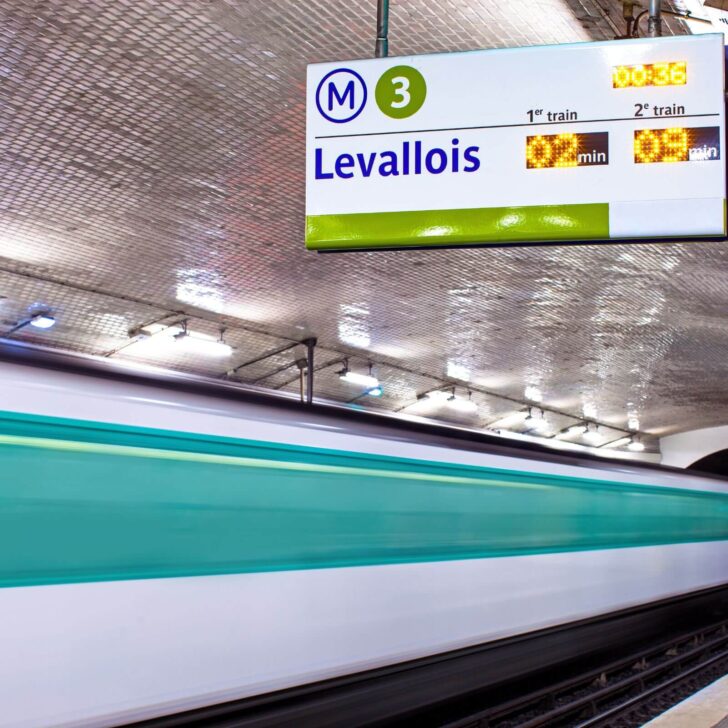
column 591, row 141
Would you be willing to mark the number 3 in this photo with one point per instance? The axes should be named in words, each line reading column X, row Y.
column 401, row 84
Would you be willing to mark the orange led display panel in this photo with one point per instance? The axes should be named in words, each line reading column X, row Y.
column 676, row 144
column 555, row 151
column 669, row 73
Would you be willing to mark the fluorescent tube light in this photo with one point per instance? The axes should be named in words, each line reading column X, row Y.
column 592, row 436
column 536, row 422
column 363, row 380
column 171, row 339
column 466, row 406
column 202, row 346
column 42, row 321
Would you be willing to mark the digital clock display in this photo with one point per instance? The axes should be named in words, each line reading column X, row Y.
column 674, row 73
column 676, row 144
column 550, row 151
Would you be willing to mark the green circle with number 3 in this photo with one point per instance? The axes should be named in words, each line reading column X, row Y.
column 400, row 92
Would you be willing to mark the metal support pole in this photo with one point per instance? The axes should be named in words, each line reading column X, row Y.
column 654, row 19
column 301, row 364
column 381, row 49
column 310, row 345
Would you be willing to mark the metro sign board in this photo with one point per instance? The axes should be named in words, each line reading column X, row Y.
column 618, row 140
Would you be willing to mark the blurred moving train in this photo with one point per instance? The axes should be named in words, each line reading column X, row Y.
column 165, row 547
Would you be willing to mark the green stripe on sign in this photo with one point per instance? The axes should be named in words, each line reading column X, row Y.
column 458, row 227
column 84, row 501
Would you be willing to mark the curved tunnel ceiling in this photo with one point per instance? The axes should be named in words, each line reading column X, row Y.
column 152, row 170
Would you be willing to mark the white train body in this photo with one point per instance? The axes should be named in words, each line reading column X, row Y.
column 166, row 549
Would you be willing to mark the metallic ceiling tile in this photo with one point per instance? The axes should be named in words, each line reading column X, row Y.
column 151, row 168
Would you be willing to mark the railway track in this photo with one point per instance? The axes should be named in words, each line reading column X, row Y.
column 615, row 670
column 624, row 693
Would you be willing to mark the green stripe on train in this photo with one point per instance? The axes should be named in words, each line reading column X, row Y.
column 87, row 501
column 533, row 223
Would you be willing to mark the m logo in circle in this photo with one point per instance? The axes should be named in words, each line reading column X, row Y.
column 341, row 95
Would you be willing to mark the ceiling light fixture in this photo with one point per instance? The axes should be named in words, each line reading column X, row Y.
column 579, row 429
column 438, row 396
column 42, row 320
column 635, row 445
column 203, row 345
column 365, row 380
column 466, row 406
column 509, row 420
column 449, row 398
column 369, row 381
column 172, row 339
column 535, row 422
column 592, row 435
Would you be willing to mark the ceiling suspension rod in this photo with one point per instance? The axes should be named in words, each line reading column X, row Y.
column 381, row 48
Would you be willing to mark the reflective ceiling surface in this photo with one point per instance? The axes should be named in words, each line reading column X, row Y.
column 152, row 170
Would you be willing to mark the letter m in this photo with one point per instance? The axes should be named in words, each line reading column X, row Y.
column 341, row 98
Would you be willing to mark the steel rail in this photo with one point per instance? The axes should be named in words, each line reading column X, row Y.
column 639, row 701
column 558, row 708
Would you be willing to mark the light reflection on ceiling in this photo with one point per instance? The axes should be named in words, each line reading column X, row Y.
column 152, row 173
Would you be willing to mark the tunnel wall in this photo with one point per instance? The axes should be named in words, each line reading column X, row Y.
column 685, row 448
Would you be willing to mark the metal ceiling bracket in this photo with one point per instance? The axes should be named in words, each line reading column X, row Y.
column 628, row 7
column 260, row 358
